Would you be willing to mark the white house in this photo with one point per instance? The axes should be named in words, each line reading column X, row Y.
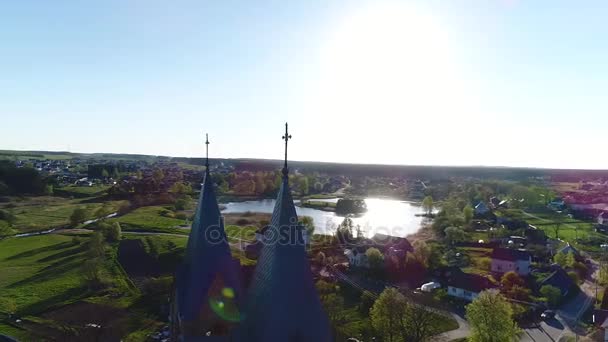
column 356, row 257
column 467, row 286
column 506, row 260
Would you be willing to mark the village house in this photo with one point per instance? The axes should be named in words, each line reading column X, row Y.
column 568, row 248
column 481, row 209
column 506, row 260
column 560, row 279
column 356, row 257
column 467, row 286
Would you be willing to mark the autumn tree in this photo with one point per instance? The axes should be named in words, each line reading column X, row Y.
column 491, row 318
column 514, row 286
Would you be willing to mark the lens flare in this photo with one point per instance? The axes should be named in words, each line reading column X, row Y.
column 225, row 305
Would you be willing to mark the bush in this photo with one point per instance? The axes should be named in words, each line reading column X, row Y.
column 181, row 216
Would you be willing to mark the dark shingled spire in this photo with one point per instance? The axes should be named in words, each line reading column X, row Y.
column 207, row 258
column 283, row 304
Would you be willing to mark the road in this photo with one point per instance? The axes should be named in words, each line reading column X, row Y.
column 550, row 331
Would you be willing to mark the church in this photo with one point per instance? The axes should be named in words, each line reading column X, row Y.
column 211, row 301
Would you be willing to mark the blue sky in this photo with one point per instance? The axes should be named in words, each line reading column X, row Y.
column 515, row 83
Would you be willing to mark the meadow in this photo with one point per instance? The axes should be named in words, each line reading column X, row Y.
column 45, row 212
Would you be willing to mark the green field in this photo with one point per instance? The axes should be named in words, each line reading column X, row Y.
column 44, row 212
column 569, row 229
column 150, row 219
column 43, row 271
column 82, row 191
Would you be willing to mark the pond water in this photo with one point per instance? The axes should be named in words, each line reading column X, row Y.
column 386, row 216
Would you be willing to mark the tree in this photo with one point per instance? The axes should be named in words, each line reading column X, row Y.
column 105, row 173
column 560, row 259
column 103, row 211
column 511, row 279
column 422, row 252
column 514, row 286
column 387, row 315
column 344, row 233
column 396, row 320
column 570, row 259
column 8, row 217
column 552, row 293
column 113, row 232
column 454, row 235
column 419, row 323
column 467, row 213
column 427, row 204
column 78, row 216
column 91, row 272
column 303, row 185
column 152, row 247
column 334, row 306
column 96, row 245
column 158, row 175
column 48, row 190
column 309, row 224
column 491, row 318
column 320, row 258
column 374, row 258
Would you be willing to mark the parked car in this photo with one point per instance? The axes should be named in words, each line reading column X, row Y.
column 547, row 314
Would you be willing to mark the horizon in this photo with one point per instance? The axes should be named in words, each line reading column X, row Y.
column 280, row 161
column 504, row 83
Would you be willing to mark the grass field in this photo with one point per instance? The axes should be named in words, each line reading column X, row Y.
column 150, row 219
column 82, row 191
column 569, row 229
column 44, row 212
column 43, row 271
column 42, row 282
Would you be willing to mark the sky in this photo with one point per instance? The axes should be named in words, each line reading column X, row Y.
column 433, row 82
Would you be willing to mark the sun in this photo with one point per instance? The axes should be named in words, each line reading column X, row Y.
column 391, row 63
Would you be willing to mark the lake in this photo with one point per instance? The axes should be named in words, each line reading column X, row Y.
column 386, row 216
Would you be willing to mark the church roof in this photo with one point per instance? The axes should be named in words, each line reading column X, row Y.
column 283, row 304
column 207, row 256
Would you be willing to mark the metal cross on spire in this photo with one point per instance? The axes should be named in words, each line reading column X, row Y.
column 207, row 152
column 286, row 137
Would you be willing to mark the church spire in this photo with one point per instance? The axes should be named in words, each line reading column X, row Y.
column 286, row 137
column 206, row 153
column 283, row 304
